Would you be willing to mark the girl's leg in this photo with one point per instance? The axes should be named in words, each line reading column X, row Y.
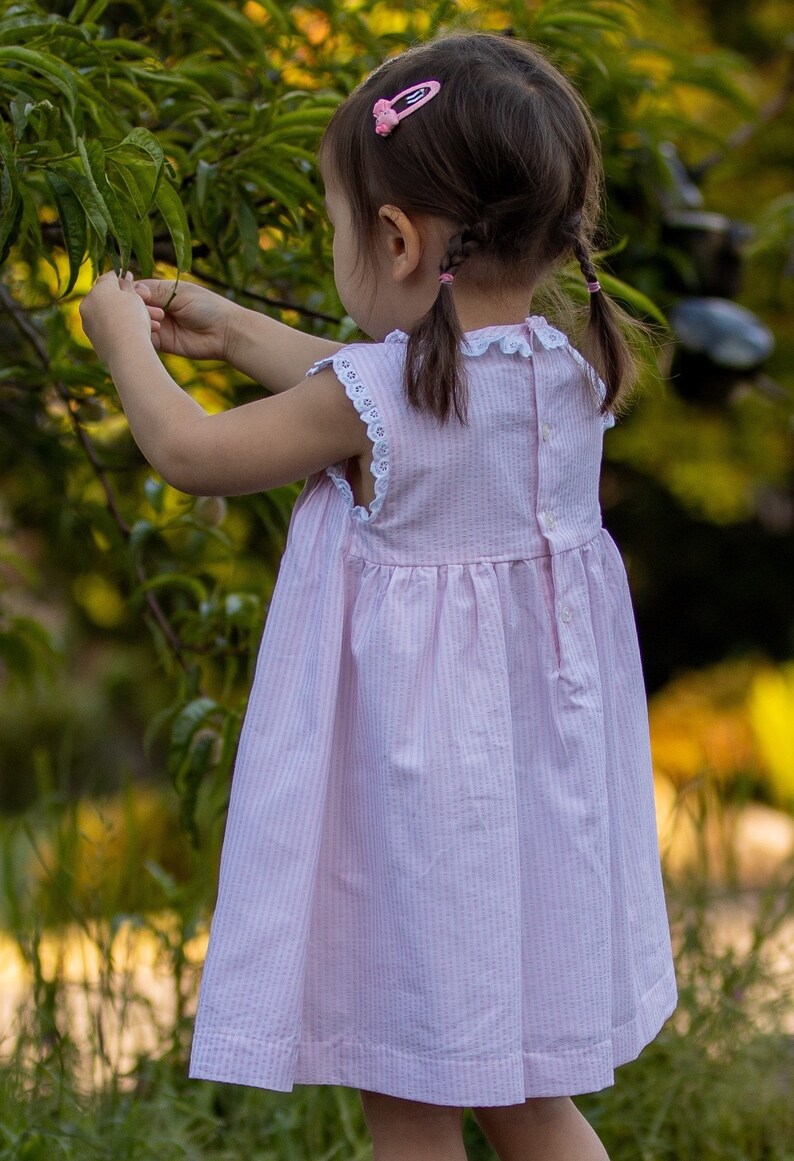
column 404, row 1130
column 542, row 1129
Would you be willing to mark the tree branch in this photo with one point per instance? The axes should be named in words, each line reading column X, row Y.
column 278, row 303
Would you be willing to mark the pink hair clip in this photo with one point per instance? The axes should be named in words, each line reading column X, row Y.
column 387, row 118
column 446, row 277
column 594, row 287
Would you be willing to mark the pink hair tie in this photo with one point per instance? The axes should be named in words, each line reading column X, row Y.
column 387, row 118
column 446, row 277
column 594, row 287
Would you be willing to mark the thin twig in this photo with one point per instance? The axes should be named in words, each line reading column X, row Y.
column 278, row 303
column 24, row 325
column 34, row 337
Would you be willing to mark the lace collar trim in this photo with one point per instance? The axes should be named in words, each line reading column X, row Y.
column 513, row 338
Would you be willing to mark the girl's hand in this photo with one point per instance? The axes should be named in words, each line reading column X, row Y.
column 112, row 312
column 196, row 323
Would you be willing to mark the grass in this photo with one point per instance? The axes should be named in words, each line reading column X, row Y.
column 716, row 1083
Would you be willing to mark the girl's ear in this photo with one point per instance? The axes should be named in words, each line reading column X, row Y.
column 403, row 241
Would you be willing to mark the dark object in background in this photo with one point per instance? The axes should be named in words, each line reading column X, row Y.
column 719, row 345
column 712, row 245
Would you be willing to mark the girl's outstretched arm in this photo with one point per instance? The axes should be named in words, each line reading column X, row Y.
column 251, row 448
column 199, row 324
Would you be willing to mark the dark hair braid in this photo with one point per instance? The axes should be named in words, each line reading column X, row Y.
column 433, row 355
column 604, row 340
column 461, row 247
column 582, row 256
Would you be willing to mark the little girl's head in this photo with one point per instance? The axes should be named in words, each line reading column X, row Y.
column 501, row 150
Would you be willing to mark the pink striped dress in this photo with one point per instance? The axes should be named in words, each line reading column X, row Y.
column 440, row 877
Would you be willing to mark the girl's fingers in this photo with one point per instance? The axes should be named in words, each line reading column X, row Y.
column 157, row 289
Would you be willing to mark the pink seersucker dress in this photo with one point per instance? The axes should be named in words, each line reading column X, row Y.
column 440, row 876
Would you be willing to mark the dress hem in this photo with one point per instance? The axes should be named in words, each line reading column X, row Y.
column 472, row 1082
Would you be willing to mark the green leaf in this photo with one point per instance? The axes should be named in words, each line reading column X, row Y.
column 632, row 297
column 92, row 157
column 86, row 12
column 14, row 30
column 188, row 779
column 173, row 213
column 143, row 246
column 187, row 722
column 10, row 199
column 20, row 107
column 229, row 735
column 61, row 77
column 140, row 531
column 138, row 181
column 95, row 210
column 30, row 225
column 138, row 161
column 144, row 140
column 122, row 227
column 154, row 491
column 161, row 719
column 7, row 152
column 308, row 118
column 73, row 225
column 206, row 173
column 249, row 234
column 174, row 580
column 575, row 19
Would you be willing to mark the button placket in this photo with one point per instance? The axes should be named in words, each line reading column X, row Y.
column 547, row 466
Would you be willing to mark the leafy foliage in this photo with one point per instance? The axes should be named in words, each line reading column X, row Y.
column 181, row 137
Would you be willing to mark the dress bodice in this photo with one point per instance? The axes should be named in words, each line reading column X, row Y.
column 532, row 442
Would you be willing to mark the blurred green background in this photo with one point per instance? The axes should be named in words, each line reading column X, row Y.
column 181, row 136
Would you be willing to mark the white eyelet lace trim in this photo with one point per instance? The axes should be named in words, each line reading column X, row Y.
column 365, row 406
column 511, row 343
column 508, row 344
column 548, row 335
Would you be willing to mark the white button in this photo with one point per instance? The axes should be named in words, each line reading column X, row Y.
column 545, row 431
column 549, row 519
column 566, row 614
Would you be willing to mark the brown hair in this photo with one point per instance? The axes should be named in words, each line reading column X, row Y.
column 508, row 151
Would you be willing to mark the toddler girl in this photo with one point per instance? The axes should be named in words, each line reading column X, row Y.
column 440, row 880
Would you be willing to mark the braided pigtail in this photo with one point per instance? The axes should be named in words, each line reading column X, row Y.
column 434, row 370
column 605, row 344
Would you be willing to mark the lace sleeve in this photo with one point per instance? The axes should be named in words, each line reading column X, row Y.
column 361, row 399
